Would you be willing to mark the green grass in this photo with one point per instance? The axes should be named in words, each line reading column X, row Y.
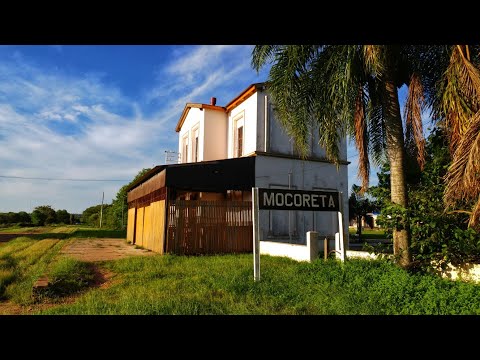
column 68, row 276
column 22, row 261
column 373, row 234
column 224, row 285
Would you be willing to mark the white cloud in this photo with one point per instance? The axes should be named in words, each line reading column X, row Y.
column 59, row 125
column 193, row 62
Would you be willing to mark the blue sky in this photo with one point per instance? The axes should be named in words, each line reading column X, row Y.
column 103, row 112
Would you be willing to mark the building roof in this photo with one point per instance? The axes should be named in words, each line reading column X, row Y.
column 245, row 94
column 187, row 108
column 213, row 176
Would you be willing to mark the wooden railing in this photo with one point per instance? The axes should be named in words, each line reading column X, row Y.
column 209, row 227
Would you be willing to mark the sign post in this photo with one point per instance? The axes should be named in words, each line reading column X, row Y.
column 256, row 235
column 303, row 200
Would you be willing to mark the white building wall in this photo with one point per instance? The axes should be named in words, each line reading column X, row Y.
column 194, row 118
column 215, row 139
column 274, row 172
column 278, row 140
column 249, row 110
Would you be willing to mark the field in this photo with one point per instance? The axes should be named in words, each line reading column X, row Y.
column 220, row 284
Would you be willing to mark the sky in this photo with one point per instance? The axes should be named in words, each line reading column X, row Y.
column 104, row 112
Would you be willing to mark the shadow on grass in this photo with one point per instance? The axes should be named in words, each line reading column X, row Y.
column 80, row 234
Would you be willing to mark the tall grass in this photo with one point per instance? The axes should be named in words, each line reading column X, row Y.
column 224, row 285
column 22, row 261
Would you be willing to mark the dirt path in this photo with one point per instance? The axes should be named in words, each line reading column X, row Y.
column 90, row 249
column 101, row 249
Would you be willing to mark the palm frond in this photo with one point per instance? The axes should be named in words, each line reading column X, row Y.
column 261, row 54
column 414, row 107
column 372, row 55
column 291, row 89
column 461, row 95
column 463, row 177
column 361, row 140
column 376, row 122
column 474, row 221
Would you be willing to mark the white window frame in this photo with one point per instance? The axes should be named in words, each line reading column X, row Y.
column 238, row 121
column 195, row 150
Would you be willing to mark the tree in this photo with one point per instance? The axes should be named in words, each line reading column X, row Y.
column 114, row 214
column 436, row 234
column 43, row 215
column 353, row 90
column 63, row 217
column 119, row 204
column 461, row 123
column 24, row 217
column 358, row 207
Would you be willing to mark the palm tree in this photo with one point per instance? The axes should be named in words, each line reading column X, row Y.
column 351, row 89
column 456, row 106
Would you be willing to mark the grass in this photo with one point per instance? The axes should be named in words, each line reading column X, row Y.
column 224, row 285
column 22, row 261
column 373, row 234
column 68, row 276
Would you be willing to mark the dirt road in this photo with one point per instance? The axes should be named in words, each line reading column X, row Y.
column 102, row 249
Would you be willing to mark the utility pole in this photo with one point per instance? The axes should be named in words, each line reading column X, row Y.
column 101, row 210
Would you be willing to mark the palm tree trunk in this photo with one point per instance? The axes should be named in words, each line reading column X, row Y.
column 396, row 156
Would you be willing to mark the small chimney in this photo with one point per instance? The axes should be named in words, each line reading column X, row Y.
column 213, row 101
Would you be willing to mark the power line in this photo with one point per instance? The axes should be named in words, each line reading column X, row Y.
column 56, row 179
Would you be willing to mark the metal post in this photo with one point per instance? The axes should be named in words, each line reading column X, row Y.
column 325, row 248
column 256, row 235
column 341, row 242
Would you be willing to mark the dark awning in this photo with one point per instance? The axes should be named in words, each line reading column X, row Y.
column 212, row 176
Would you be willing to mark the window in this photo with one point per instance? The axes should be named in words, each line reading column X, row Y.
column 239, row 141
column 238, row 136
column 185, row 149
column 195, row 146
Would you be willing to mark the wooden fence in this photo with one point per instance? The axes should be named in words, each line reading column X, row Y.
column 209, row 227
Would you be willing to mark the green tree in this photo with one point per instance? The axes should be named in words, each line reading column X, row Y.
column 436, row 234
column 24, row 217
column 43, row 215
column 119, row 204
column 359, row 206
column 353, row 89
column 63, row 217
column 91, row 215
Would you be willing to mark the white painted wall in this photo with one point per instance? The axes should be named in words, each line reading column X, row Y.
column 195, row 117
column 279, row 141
column 215, row 139
column 249, row 110
column 272, row 172
column 307, row 252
